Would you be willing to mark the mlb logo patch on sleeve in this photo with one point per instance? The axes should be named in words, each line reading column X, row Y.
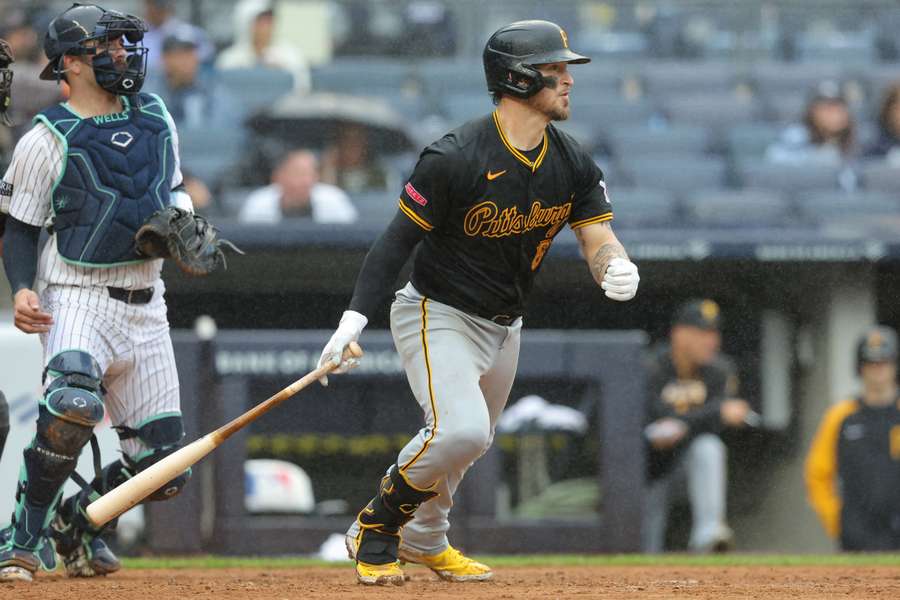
column 415, row 195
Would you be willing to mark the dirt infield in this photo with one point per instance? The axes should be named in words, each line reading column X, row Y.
column 719, row 583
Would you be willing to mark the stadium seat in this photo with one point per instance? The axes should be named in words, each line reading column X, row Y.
column 750, row 207
column 774, row 77
column 439, row 77
column 676, row 174
column 837, row 206
column 839, row 47
column 375, row 208
column 676, row 139
column 644, row 207
column 750, row 140
column 209, row 153
column 881, row 176
column 711, row 109
column 362, row 76
column 461, row 107
column 610, row 112
column 256, row 88
column 669, row 77
column 787, row 177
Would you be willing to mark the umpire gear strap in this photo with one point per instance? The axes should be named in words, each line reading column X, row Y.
column 380, row 521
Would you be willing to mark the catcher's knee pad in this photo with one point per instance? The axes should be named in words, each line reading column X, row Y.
column 67, row 414
column 380, row 521
column 162, row 436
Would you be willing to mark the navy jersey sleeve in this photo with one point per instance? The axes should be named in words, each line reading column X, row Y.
column 426, row 197
column 590, row 202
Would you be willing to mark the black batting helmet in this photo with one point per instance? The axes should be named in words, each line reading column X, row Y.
column 878, row 344
column 512, row 51
column 80, row 23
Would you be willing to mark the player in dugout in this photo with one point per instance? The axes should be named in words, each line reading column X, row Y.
column 692, row 398
column 853, row 466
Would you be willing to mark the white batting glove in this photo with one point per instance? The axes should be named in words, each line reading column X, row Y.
column 351, row 325
column 620, row 282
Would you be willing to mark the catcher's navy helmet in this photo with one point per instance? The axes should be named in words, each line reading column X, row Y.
column 512, row 51
column 878, row 344
column 80, row 23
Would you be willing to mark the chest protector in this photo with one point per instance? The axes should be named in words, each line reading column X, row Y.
column 117, row 172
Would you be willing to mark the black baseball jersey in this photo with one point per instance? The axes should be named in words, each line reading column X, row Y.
column 695, row 400
column 853, row 475
column 491, row 212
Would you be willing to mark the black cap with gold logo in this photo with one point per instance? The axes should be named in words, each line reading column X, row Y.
column 701, row 313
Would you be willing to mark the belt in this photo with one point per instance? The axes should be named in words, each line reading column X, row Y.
column 131, row 296
column 505, row 320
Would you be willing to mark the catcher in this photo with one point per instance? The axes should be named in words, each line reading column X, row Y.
column 101, row 172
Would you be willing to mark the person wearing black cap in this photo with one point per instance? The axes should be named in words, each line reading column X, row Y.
column 478, row 214
column 692, row 390
column 853, row 466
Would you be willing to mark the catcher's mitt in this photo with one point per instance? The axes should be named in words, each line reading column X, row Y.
column 6, row 76
column 186, row 238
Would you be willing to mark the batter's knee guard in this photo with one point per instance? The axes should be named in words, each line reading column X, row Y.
column 67, row 414
column 380, row 521
column 4, row 422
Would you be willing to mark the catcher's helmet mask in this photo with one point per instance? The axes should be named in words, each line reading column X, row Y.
column 87, row 30
column 513, row 52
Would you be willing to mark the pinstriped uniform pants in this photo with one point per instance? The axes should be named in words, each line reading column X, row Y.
column 460, row 368
column 130, row 342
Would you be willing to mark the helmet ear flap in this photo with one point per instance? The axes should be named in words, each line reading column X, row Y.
column 518, row 80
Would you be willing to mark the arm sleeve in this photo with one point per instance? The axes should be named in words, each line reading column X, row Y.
column 590, row 201
column 20, row 254
column 821, row 469
column 383, row 262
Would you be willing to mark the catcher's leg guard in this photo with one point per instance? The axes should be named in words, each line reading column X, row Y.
column 4, row 422
column 380, row 521
column 67, row 414
column 77, row 540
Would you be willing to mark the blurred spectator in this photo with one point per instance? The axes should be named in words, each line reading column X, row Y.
column 254, row 24
column 888, row 143
column 161, row 19
column 826, row 136
column 691, row 399
column 29, row 95
column 193, row 98
column 349, row 163
column 853, row 466
column 296, row 191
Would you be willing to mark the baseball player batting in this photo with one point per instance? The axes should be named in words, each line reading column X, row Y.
column 481, row 209
column 101, row 171
column 6, row 77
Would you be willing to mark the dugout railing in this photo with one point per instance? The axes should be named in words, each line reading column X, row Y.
column 222, row 377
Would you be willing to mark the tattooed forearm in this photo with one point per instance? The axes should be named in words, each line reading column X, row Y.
column 601, row 259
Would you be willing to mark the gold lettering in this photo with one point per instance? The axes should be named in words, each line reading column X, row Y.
column 487, row 220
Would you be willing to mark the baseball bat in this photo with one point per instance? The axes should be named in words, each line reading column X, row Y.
column 129, row 494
